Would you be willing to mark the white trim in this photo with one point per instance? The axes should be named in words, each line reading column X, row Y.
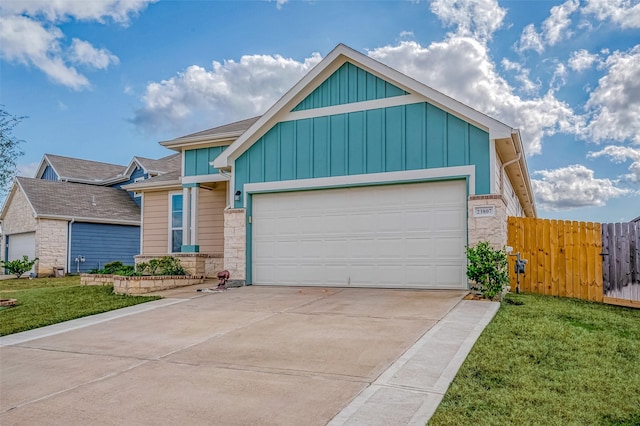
column 492, row 167
column 193, row 220
column 354, row 107
column 170, row 195
column 137, row 180
column 142, row 223
column 88, row 219
column 204, row 178
column 220, row 139
column 373, row 178
column 186, row 217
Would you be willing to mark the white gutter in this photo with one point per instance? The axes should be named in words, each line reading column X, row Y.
column 90, row 219
column 504, row 165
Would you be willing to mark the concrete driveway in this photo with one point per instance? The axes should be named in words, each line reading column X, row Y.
column 253, row 355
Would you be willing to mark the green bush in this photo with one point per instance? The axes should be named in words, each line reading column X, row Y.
column 19, row 266
column 487, row 268
column 166, row 265
column 115, row 268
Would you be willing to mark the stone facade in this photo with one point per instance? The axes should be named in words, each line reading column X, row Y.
column 19, row 217
column 51, row 246
column 96, row 279
column 492, row 228
column 235, row 243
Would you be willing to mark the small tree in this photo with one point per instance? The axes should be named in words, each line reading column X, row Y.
column 487, row 268
column 9, row 149
column 19, row 266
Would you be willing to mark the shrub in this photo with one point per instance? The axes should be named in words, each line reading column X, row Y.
column 166, row 265
column 115, row 268
column 19, row 266
column 487, row 268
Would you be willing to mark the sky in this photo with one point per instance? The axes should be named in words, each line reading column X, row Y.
column 106, row 80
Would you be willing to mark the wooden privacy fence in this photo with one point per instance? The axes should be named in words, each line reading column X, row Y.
column 621, row 263
column 564, row 257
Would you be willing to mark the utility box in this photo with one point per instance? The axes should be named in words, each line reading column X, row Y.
column 58, row 272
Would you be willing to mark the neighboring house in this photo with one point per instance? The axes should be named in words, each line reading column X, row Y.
column 73, row 215
column 358, row 176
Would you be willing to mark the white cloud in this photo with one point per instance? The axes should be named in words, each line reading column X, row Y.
column 461, row 68
column 120, row 11
column 232, row 90
column 572, row 187
column 522, row 76
column 621, row 12
column 27, row 170
column 530, row 39
column 559, row 77
column 25, row 41
column 555, row 27
column 477, row 18
column 621, row 154
column 614, row 105
column 30, row 34
column 82, row 52
column 581, row 60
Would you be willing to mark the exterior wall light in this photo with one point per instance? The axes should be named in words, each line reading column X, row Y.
column 237, row 195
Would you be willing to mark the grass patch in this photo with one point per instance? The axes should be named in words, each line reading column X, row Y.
column 550, row 361
column 46, row 301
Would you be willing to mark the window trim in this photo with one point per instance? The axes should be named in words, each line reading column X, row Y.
column 170, row 227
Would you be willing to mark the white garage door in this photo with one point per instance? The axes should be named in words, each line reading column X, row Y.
column 402, row 236
column 22, row 244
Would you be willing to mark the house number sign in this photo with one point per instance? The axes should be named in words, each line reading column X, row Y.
column 484, row 211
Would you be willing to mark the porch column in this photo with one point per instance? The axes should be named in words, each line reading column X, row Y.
column 190, row 218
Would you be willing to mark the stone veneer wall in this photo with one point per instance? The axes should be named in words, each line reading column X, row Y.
column 488, row 228
column 51, row 246
column 96, row 279
column 235, row 244
column 141, row 285
column 18, row 219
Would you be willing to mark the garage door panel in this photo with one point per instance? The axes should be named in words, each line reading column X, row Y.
column 409, row 235
column 22, row 245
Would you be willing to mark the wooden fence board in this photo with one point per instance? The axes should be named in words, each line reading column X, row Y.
column 604, row 254
column 564, row 257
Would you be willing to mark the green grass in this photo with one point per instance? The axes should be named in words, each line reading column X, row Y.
column 550, row 361
column 46, row 301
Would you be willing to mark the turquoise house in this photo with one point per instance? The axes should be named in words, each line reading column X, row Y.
column 358, row 176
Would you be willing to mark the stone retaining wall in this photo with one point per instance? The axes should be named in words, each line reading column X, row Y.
column 142, row 285
column 96, row 279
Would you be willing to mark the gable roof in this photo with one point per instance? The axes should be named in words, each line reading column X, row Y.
column 82, row 202
column 79, row 170
column 226, row 132
column 165, row 180
column 508, row 142
column 160, row 166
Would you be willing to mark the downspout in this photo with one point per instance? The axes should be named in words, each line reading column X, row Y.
column 73, row 219
column 502, row 171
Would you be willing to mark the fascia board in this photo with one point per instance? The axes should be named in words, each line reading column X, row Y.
column 139, row 186
column 89, row 219
column 179, row 144
column 222, row 160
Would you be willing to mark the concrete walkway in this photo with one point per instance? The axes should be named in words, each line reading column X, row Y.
column 256, row 355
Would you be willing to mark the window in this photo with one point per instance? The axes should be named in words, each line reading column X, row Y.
column 175, row 227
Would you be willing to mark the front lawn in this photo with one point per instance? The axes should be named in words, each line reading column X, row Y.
column 46, row 301
column 550, row 361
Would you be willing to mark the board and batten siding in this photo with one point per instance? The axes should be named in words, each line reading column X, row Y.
column 400, row 138
column 49, row 174
column 196, row 161
column 211, row 206
column 155, row 223
column 101, row 243
column 347, row 85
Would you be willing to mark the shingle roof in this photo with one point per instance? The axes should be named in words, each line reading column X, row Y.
column 87, row 170
column 66, row 199
column 238, row 126
column 166, row 164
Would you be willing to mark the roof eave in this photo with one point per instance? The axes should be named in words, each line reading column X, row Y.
column 89, row 219
column 179, row 143
column 141, row 186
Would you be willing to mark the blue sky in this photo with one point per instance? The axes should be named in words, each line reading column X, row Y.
column 106, row 80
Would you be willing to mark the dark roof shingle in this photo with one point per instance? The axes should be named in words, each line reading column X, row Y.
column 87, row 170
column 66, row 199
